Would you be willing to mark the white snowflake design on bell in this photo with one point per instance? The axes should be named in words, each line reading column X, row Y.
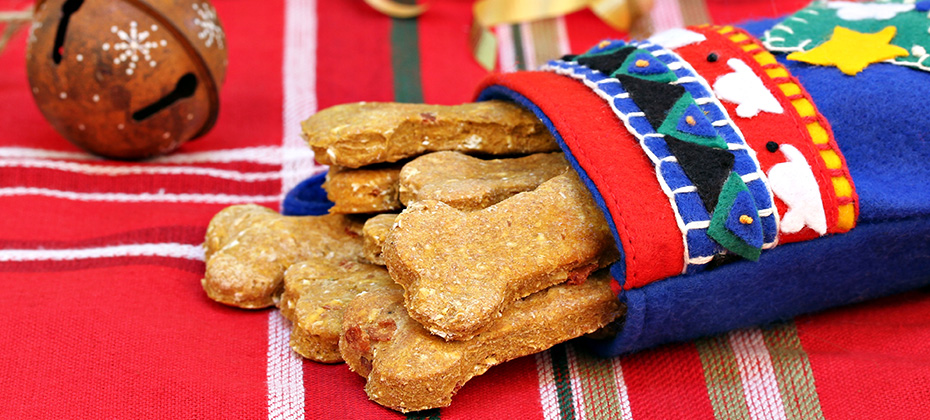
column 32, row 31
column 134, row 46
column 210, row 30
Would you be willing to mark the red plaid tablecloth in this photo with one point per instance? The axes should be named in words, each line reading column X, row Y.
column 102, row 314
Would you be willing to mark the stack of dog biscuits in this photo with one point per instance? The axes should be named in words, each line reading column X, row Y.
column 464, row 240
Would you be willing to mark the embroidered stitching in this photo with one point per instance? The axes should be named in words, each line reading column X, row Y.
column 846, row 203
column 695, row 222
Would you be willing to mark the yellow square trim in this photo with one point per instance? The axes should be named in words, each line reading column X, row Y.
column 846, row 219
column 764, row 58
column 805, row 108
column 818, row 133
column 777, row 72
column 831, row 159
column 842, row 186
column 740, row 37
column 790, row 89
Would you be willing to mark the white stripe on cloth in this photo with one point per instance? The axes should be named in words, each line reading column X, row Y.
column 285, row 372
column 300, row 102
column 625, row 412
column 158, row 197
column 506, row 52
column 529, row 45
column 666, row 14
column 267, row 155
column 548, row 398
column 286, row 394
column 171, row 250
column 760, row 386
column 125, row 170
column 578, row 403
column 565, row 46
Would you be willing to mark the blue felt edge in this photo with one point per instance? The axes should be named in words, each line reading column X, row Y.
column 787, row 281
column 504, row 93
column 307, row 198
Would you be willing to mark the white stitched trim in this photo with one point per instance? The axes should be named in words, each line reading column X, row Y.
column 683, row 190
column 750, row 177
column 703, row 224
column 701, row 260
column 683, row 80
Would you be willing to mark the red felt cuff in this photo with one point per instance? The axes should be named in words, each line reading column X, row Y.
column 614, row 161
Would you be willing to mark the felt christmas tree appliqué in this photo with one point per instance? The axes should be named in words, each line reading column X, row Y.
column 852, row 36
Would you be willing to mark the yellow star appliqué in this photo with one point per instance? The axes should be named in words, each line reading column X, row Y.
column 852, row 51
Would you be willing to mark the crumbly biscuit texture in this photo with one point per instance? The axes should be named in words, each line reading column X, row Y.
column 359, row 134
column 316, row 293
column 461, row 269
column 470, row 183
column 409, row 369
column 363, row 190
column 375, row 232
column 248, row 270
column 227, row 223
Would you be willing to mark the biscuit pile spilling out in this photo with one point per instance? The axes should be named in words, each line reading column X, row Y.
column 460, row 239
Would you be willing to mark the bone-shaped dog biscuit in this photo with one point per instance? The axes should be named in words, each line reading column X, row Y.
column 408, row 369
column 248, row 270
column 364, row 190
column 359, row 134
column 461, row 269
column 316, row 293
column 375, row 232
column 469, row 183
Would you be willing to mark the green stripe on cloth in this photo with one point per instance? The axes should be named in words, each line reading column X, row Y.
column 598, row 385
column 405, row 59
column 518, row 54
column 563, row 381
column 793, row 372
column 721, row 373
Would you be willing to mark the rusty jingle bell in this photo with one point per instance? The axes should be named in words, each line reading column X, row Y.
column 127, row 79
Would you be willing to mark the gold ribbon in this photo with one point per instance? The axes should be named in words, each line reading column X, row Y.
column 619, row 14
column 397, row 10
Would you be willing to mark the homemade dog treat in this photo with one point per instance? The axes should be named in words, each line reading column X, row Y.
column 375, row 232
column 248, row 270
column 355, row 135
column 469, row 183
column 316, row 293
column 365, row 190
column 461, row 269
column 408, row 369
column 226, row 224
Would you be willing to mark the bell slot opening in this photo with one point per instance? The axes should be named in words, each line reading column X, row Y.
column 185, row 88
column 67, row 9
